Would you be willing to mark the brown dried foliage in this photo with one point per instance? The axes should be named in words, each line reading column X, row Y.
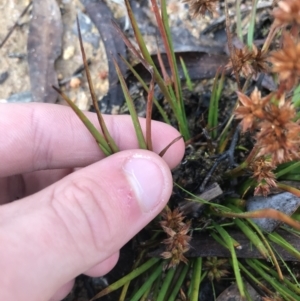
column 276, row 133
column 178, row 239
column 248, row 61
column 200, row 7
column 286, row 62
column 287, row 12
column 263, row 174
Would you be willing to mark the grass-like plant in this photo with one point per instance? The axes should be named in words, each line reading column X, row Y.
column 273, row 123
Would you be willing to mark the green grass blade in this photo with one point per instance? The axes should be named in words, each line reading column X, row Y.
column 279, row 240
column 293, row 286
column 164, row 15
column 154, row 275
column 292, row 167
column 146, row 294
column 196, row 279
column 239, row 20
column 141, row 81
column 177, row 110
column 254, row 278
column 95, row 133
column 135, row 273
column 147, row 56
column 296, row 97
column 253, row 237
column 250, row 35
column 179, row 282
column 214, row 108
column 166, row 284
column 235, row 264
column 130, row 104
column 186, row 75
column 278, row 286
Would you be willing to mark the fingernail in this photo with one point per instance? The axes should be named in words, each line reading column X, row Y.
column 147, row 180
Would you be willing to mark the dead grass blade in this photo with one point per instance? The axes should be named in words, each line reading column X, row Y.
column 161, row 153
column 111, row 143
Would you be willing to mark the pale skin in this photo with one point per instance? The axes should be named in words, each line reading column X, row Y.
column 68, row 222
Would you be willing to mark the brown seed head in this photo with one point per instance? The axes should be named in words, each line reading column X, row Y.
column 172, row 219
column 248, row 61
column 199, row 7
column 279, row 134
column 178, row 239
column 251, row 109
column 287, row 12
column 286, row 62
column 263, row 174
column 215, row 268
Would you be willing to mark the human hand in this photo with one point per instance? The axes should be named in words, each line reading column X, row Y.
column 71, row 222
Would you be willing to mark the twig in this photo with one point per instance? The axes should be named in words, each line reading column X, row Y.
column 15, row 25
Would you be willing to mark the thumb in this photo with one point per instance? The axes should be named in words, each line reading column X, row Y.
column 49, row 238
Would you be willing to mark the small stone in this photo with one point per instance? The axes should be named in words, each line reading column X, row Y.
column 103, row 74
column 75, row 82
column 68, row 52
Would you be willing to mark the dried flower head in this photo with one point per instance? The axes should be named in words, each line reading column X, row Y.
column 287, row 12
column 251, row 109
column 215, row 268
column 248, row 61
column 279, row 134
column 200, row 7
column 178, row 239
column 172, row 219
column 286, row 62
column 263, row 174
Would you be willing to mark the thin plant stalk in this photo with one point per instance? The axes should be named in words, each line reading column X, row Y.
column 130, row 104
column 230, row 46
column 214, row 104
column 133, row 274
column 141, row 81
column 289, row 188
column 111, row 143
column 166, row 284
column 126, row 285
column 154, row 275
column 267, row 250
column 288, row 169
column 176, row 77
column 239, row 20
column 279, row 240
column 177, row 110
column 293, row 286
column 235, row 264
column 179, row 282
column 250, row 35
column 196, row 279
column 187, row 77
column 149, row 114
column 101, row 141
column 254, row 278
column 284, row 291
column 263, row 213
column 146, row 294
